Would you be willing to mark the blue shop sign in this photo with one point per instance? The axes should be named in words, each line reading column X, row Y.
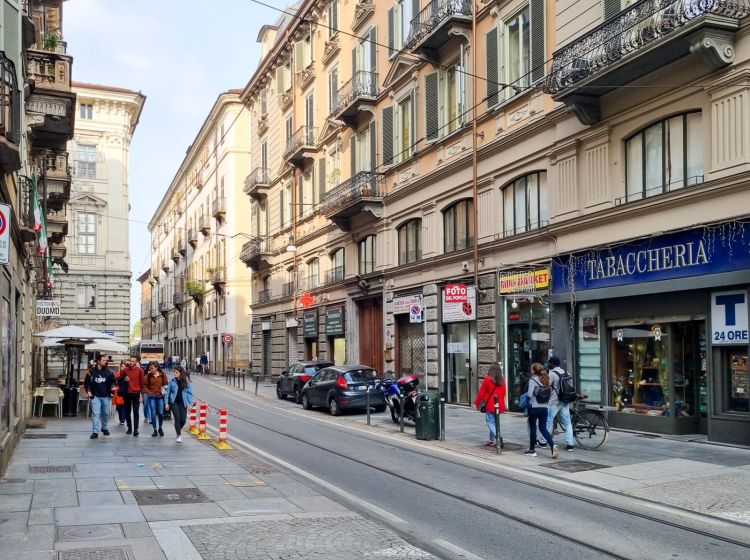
column 706, row 250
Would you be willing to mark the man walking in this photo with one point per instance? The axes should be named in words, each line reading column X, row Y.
column 131, row 382
column 99, row 384
column 557, row 404
column 204, row 364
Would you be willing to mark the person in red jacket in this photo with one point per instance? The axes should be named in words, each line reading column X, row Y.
column 492, row 386
column 131, row 382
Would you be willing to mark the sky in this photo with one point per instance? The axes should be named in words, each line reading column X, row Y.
column 180, row 54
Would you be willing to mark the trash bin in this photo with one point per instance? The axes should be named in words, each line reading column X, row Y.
column 70, row 401
column 428, row 416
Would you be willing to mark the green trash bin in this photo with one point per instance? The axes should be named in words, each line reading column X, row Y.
column 428, row 416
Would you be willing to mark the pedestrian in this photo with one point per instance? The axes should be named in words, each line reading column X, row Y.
column 99, row 384
column 118, row 399
column 538, row 395
column 492, row 386
column 152, row 390
column 204, row 364
column 131, row 386
column 556, row 407
column 197, row 364
column 179, row 399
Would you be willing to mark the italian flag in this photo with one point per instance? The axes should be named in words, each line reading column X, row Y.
column 39, row 226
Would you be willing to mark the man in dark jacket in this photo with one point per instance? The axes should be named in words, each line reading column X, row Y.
column 99, row 385
column 130, row 384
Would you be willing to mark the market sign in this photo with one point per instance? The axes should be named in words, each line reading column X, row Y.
column 5, row 236
column 459, row 303
column 48, row 308
column 403, row 304
column 522, row 281
column 310, row 324
column 729, row 318
column 335, row 321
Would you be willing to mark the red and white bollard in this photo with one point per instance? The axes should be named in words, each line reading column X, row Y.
column 203, row 412
column 192, row 416
column 222, row 443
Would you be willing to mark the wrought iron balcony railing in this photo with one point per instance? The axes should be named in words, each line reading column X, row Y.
column 335, row 274
column 432, row 16
column 264, row 296
column 205, row 224
column 10, row 101
column 304, row 137
column 362, row 84
column 287, row 289
column 193, row 237
column 365, row 184
column 634, row 29
column 258, row 178
column 310, row 282
column 256, row 250
column 219, row 207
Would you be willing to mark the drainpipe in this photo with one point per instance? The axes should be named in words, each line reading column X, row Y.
column 474, row 189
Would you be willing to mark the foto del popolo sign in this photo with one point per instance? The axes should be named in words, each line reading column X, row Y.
column 459, row 303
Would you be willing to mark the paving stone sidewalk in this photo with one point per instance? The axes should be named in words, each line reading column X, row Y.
column 66, row 497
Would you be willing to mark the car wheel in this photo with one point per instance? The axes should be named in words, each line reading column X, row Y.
column 380, row 408
column 306, row 403
column 394, row 415
column 279, row 393
column 333, row 406
column 297, row 395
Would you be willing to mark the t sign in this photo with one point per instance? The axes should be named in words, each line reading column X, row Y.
column 729, row 320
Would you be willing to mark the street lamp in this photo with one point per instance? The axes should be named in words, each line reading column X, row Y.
column 291, row 247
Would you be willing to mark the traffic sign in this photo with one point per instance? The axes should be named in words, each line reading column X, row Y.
column 226, row 338
column 415, row 314
column 4, row 233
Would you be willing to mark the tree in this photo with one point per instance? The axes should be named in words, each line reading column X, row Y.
column 136, row 331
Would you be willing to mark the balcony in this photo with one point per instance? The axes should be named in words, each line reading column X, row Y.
column 182, row 247
column 155, row 271
column 51, row 105
column 57, row 178
column 154, row 311
column 257, row 253
column 287, row 289
column 301, row 145
column 310, row 282
column 193, row 238
column 639, row 40
column 362, row 195
column 257, row 183
column 57, row 251
column 264, row 296
column 165, row 266
column 175, row 254
column 145, row 310
column 164, row 308
column 10, row 116
column 335, row 275
column 179, row 299
column 205, row 225
column 356, row 95
column 218, row 278
column 25, row 209
column 57, row 225
column 219, row 208
column 437, row 23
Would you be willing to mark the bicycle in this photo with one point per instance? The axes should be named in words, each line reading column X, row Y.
column 590, row 427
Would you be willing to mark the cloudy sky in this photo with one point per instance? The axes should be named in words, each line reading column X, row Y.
column 179, row 53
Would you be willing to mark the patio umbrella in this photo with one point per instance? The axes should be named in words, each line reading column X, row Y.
column 105, row 345
column 74, row 332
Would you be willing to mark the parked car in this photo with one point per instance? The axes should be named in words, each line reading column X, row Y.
column 340, row 388
column 292, row 380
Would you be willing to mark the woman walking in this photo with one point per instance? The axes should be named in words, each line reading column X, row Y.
column 538, row 395
column 492, row 386
column 155, row 380
column 179, row 399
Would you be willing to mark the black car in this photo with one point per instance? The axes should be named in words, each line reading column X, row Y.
column 293, row 379
column 341, row 388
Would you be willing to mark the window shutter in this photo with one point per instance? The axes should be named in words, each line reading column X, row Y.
column 299, row 56
column 611, row 8
column 414, row 9
column 391, row 32
column 321, row 179
column 432, row 107
column 280, row 80
column 491, row 52
column 353, row 155
column 281, row 207
column 388, row 136
column 334, row 23
column 12, row 43
column 372, row 146
column 373, row 51
column 300, row 195
column 536, row 31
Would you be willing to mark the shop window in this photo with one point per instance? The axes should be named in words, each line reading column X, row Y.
column 458, row 226
column 410, row 242
column 525, row 204
column 735, row 379
column 589, row 352
column 367, row 255
column 664, row 157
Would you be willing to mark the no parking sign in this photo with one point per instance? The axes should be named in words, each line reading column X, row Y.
column 4, row 232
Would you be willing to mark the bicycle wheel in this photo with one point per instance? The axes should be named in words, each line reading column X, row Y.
column 590, row 429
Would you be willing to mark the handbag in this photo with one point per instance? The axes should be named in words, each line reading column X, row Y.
column 483, row 407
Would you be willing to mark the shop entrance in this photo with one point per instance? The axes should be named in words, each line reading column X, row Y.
column 410, row 347
column 311, row 349
column 371, row 334
column 460, row 362
column 266, row 353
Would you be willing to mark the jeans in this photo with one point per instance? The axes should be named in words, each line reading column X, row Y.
column 490, row 418
column 179, row 416
column 156, row 407
column 146, row 408
column 99, row 411
column 538, row 415
column 132, row 404
column 563, row 409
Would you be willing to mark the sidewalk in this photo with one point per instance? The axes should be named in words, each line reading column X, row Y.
column 66, row 497
column 682, row 471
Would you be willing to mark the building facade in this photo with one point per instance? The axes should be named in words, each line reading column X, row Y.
column 146, row 324
column 199, row 287
column 440, row 185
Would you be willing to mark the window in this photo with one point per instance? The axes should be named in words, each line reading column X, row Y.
column 410, row 242
column 333, row 18
column 264, row 155
column 458, row 226
column 86, row 233
column 517, row 48
column 309, row 115
column 398, row 131
column 283, row 79
column 399, row 23
column 86, row 111
column 305, row 195
column 445, row 99
column 333, row 88
column 313, row 274
column 86, row 296
column 664, row 157
column 525, row 204
column 86, row 162
column 364, row 58
column 336, row 274
column 263, row 102
column 303, row 54
column 289, row 130
column 367, row 255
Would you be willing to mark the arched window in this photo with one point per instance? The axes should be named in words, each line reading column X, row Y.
column 367, row 255
column 312, row 280
column 264, row 294
column 525, row 204
column 664, row 156
column 410, row 242
column 458, row 226
column 336, row 273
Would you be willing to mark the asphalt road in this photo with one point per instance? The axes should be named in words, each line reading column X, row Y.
column 432, row 500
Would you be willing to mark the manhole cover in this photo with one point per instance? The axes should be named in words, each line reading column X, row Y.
column 51, row 468
column 170, row 496
column 574, row 466
column 89, row 532
column 109, row 553
column 45, row 436
column 36, row 423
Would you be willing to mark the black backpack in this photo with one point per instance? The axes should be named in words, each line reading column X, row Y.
column 542, row 394
column 567, row 391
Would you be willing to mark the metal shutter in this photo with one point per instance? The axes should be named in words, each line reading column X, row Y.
column 388, row 136
column 536, row 28
column 410, row 348
column 611, row 8
column 432, row 106
column 266, row 353
column 491, row 50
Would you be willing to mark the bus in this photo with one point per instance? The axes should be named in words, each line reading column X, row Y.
column 148, row 351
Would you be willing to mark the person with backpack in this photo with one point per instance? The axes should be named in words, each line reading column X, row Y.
column 563, row 393
column 156, row 380
column 538, row 395
column 492, row 386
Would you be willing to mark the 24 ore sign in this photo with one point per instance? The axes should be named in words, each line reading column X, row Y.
column 729, row 318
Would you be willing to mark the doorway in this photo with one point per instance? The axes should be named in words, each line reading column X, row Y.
column 266, row 354
column 371, row 334
column 460, row 362
column 527, row 341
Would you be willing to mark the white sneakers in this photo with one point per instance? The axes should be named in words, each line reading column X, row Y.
column 179, row 439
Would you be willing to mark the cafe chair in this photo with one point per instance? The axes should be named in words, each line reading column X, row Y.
column 83, row 398
column 51, row 397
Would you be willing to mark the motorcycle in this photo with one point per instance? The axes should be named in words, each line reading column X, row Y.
column 394, row 390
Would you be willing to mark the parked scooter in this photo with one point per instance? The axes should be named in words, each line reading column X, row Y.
column 406, row 387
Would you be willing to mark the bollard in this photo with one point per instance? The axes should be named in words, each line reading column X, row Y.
column 442, row 417
column 401, row 413
column 243, row 380
column 193, row 424
column 498, row 437
column 368, row 405
column 257, row 379
column 222, row 443
column 202, row 422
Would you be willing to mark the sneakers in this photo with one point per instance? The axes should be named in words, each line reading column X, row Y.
column 489, row 443
column 135, row 433
column 122, row 423
column 569, row 448
column 161, row 432
column 555, row 452
column 155, row 434
column 105, row 432
column 146, row 421
column 130, row 431
column 179, row 439
column 530, row 453
column 93, row 436
column 541, row 443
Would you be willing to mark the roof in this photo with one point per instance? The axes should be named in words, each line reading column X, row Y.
column 104, row 88
column 143, row 277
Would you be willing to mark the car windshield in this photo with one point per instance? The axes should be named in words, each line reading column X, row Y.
column 359, row 375
column 312, row 370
